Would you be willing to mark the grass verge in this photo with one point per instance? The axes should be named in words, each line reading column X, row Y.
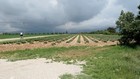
column 109, row 62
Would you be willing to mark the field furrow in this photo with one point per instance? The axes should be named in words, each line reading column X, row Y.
column 82, row 40
column 74, row 42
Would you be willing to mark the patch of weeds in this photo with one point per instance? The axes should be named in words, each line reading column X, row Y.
column 45, row 42
column 80, row 76
column 53, row 44
column 66, row 76
column 31, row 42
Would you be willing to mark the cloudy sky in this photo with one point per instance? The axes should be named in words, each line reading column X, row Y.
column 61, row 15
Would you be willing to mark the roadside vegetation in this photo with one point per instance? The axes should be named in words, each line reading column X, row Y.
column 109, row 62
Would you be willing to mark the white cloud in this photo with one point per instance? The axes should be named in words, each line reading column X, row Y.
column 106, row 18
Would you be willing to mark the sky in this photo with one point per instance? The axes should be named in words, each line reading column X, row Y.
column 61, row 15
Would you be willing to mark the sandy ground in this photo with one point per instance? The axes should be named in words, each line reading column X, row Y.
column 82, row 40
column 12, row 47
column 91, row 43
column 64, row 43
column 74, row 42
column 36, row 69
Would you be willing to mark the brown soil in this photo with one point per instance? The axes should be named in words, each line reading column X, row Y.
column 73, row 54
column 12, row 47
column 64, row 43
column 74, row 42
column 91, row 43
column 82, row 42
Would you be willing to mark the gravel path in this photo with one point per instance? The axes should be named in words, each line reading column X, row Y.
column 36, row 69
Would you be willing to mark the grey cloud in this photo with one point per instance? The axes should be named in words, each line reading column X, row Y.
column 50, row 15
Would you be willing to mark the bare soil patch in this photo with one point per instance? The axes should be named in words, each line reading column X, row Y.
column 36, row 69
column 82, row 40
column 12, row 47
column 64, row 43
column 73, row 54
column 74, row 42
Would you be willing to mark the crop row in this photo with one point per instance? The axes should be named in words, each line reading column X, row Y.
column 79, row 37
column 104, row 38
column 85, row 39
column 57, row 39
column 71, row 39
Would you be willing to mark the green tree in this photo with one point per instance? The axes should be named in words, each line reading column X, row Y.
column 138, row 16
column 129, row 27
column 112, row 30
column 124, row 24
column 136, row 27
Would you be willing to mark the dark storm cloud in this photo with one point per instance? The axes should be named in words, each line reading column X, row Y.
column 60, row 15
column 79, row 10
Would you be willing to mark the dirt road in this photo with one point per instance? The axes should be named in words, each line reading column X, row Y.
column 12, row 39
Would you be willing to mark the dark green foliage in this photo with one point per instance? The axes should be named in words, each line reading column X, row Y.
column 111, row 30
column 138, row 16
column 129, row 28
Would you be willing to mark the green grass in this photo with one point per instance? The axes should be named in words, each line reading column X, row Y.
column 38, row 53
column 66, row 76
column 109, row 62
column 69, row 76
column 114, row 63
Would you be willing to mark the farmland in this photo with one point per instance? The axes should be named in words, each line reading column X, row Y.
column 104, row 58
column 57, row 41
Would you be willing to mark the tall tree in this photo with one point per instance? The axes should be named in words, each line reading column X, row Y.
column 124, row 24
column 129, row 27
column 136, row 26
